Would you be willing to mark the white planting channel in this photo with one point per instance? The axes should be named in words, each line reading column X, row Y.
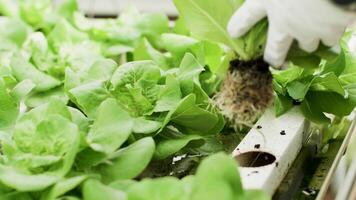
column 269, row 149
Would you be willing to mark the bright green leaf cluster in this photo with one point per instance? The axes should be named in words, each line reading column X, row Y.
column 325, row 89
column 86, row 106
column 216, row 178
column 208, row 21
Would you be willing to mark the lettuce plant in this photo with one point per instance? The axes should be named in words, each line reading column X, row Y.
column 10, row 98
column 156, row 102
column 247, row 88
column 327, row 88
column 207, row 21
column 90, row 108
column 216, row 177
column 41, row 147
column 319, row 82
column 323, row 91
column 79, row 114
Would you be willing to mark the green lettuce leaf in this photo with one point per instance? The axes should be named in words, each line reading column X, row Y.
column 22, row 70
column 328, row 88
column 111, row 128
column 128, row 162
column 93, row 190
column 207, row 21
column 9, row 109
column 44, row 139
column 134, row 85
column 62, row 187
column 24, row 182
column 217, row 178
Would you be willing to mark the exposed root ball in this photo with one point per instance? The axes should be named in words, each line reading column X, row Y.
column 246, row 93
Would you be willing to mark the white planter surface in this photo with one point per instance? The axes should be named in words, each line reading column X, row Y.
column 281, row 139
column 114, row 7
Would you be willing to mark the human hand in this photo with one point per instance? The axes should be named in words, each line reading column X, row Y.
column 307, row 21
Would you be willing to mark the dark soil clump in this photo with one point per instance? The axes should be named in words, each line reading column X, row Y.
column 186, row 165
column 245, row 93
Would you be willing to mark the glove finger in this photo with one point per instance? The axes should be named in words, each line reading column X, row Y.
column 245, row 18
column 309, row 45
column 332, row 38
column 352, row 44
column 278, row 44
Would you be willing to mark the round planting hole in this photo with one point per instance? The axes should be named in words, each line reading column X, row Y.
column 255, row 159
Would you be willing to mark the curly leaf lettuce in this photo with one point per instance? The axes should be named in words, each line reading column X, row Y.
column 216, row 177
column 207, row 21
column 111, row 128
column 43, row 146
column 325, row 89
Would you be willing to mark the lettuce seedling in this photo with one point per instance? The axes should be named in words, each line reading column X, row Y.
column 216, row 178
column 247, row 89
column 42, row 147
column 10, row 98
column 157, row 102
column 319, row 82
column 327, row 88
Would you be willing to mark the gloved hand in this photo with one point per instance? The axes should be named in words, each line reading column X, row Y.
column 308, row 21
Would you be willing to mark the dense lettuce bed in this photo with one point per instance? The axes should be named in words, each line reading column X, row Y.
column 86, row 105
column 88, row 108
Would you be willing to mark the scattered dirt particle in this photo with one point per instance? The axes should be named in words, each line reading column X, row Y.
column 283, row 132
column 296, row 103
column 259, row 127
column 277, row 164
column 309, row 192
column 257, row 146
column 253, row 172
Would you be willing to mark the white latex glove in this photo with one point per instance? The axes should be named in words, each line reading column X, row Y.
column 307, row 21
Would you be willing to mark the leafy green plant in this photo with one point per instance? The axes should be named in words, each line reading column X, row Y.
column 321, row 82
column 323, row 89
column 216, row 178
column 208, row 20
column 10, row 97
column 88, row 107
column 248, row 75
column 41, row 148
